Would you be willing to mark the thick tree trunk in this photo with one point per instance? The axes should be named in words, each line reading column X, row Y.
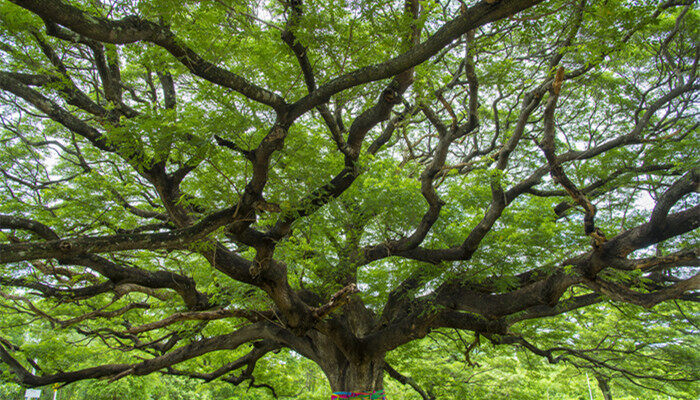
column 356, row 370
column 356, row 377
column 350, row 364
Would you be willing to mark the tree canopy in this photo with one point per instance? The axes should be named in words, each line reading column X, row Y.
column 226, row 190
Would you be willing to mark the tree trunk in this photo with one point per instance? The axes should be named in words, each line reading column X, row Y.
column 349, row 364
column 363, row 371
column 356, row 377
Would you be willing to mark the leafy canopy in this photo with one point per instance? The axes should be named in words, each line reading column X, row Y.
column 232, row 190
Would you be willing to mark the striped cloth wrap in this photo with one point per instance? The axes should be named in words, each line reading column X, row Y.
column 378, row 395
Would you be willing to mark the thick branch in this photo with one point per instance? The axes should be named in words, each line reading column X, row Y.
column 102, row 244
column 619, row 292
column 478, row 15
column 134, row 29
column 115, row 371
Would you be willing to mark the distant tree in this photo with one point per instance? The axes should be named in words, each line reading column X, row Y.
column 182, row 178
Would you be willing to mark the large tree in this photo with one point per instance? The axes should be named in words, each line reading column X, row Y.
column 340, row 179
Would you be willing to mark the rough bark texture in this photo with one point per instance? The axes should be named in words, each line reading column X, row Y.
column 345, row 376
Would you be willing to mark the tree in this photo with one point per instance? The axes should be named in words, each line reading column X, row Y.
column 191, row 186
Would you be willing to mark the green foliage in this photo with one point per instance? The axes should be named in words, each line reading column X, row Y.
column 626, row 56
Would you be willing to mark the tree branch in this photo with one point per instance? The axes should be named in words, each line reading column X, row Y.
column 134, row 29
column 405, row 380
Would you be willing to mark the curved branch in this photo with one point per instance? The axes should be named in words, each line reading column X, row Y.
column 175, row 239
column 134, row 29
column 690, row 182
column 405, row 380
column 210, row 315
column 620, row 292
column 116, row 371
column 121, row 279
column 549, row 355
column 647, row 234
column 54, row 111
column 260, row 349
column 476, row 16
column 556, row 170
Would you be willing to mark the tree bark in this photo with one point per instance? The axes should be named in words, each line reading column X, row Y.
column 344, row 376
column 355, row 371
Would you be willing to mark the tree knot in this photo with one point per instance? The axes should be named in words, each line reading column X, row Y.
column 65, row 246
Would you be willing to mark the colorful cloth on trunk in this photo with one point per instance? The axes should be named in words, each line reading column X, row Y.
column 378, row 395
